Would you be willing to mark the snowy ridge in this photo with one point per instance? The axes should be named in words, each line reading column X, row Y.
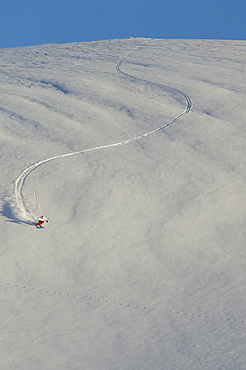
column 142, row 265
column 19, row 182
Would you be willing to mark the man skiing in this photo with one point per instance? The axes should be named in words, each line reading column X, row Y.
column 41, row 221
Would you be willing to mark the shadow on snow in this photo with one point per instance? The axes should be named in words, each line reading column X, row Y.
column 8, row 213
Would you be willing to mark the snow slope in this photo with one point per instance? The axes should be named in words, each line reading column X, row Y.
column 142, row 265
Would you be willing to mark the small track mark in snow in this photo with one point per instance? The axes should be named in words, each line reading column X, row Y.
column 123, row 304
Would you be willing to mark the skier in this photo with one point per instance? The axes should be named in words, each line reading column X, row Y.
column 41, row 221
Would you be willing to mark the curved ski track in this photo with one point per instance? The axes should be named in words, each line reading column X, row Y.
column 19, row 182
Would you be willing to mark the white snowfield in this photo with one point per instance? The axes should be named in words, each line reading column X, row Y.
column 135, row 151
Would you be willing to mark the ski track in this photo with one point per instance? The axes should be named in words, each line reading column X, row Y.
column 20, row 181
column 103, row 300
column 26, row 213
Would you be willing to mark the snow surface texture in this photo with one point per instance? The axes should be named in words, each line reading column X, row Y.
column 142, row 265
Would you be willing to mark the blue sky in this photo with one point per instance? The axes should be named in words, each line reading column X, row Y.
column 35, row 22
